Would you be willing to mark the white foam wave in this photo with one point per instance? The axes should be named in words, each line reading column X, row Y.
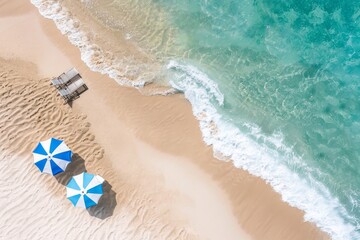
column 261, row 155
column 248, row 151
column 96, row 59
column 191, row 76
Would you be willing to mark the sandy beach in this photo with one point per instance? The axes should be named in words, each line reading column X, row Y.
column 162, row 180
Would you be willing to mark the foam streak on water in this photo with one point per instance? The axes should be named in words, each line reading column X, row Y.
column 274, row 85
column 92, row 54
column 259, row 159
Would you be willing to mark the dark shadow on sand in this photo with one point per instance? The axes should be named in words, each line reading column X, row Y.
column 78, row 92
column 70, row 103
column 76, row 167
column 107, row 203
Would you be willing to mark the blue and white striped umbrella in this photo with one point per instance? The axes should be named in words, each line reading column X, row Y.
column 52, row 156
column 84, row 190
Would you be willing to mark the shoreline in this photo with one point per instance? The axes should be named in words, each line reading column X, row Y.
column 167, row 125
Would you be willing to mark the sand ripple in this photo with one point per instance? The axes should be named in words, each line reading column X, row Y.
column 33, row 206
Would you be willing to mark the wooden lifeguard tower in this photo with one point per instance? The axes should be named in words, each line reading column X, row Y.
column 69, row 85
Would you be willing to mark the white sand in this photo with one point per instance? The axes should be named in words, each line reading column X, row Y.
column 165, row 184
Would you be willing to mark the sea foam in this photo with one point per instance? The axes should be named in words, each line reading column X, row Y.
column 260, row 154
column 249, row 151
column 96, row 59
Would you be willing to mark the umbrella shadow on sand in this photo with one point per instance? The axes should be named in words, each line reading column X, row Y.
column 106, row 205
column 76, row 167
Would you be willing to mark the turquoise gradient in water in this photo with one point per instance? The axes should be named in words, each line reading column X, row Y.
column 275, row 86
column 290, row 67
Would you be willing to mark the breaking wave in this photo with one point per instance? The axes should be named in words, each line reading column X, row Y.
column 93, row 55
column 259, row 154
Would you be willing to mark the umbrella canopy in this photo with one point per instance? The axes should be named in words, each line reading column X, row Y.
column 84, row 190
column 52, row 156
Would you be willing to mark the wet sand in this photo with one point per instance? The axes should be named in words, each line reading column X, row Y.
column 162, row 180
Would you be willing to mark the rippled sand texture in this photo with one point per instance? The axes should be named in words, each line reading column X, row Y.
column 162, row 181
column 33, row 205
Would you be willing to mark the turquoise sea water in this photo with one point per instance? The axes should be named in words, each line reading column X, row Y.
column 291, row 68
column 275, row 86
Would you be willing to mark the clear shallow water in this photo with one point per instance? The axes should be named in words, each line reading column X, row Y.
column 274, row 84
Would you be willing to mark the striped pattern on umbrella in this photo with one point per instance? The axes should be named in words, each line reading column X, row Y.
column 52, row 156
column 84, row 190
